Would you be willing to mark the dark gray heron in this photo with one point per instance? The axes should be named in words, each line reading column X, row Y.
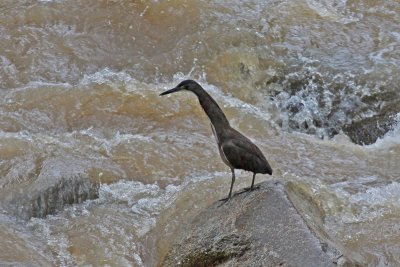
column 235, row 149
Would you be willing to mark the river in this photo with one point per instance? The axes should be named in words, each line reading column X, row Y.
column 79, row 96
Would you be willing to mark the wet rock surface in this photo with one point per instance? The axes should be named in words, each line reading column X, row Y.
column 258, row 228
column 57, row 185
column 366, row 131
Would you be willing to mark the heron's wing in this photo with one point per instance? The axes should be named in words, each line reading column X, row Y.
column 243, row 154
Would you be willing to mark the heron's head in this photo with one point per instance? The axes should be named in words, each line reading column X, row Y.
column 188, row 85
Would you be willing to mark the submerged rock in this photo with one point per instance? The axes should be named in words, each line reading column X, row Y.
column 258, row 228
column 58, row 184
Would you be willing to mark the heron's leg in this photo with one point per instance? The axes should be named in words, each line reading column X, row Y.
column 252, row 187
column 233, row 181
column 252, row 182
column 230, row 191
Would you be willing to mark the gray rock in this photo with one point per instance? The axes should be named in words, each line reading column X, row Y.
column 366, row 131
column 60, row 182
column 258, row 228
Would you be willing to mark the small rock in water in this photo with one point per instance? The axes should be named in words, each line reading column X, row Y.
column 57, row 185
column 368, row 130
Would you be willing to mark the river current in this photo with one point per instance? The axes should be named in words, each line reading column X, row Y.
column 79, row 96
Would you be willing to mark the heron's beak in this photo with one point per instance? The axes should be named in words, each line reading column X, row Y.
column 173, row 90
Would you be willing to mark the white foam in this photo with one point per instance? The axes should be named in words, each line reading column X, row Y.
column 366, row 205
column 333, row 9
column 7, row 66
column 55, row 240
column 51, row 1
column 390, row 139
column 385, row 196
column 106, row 76
column 145, row 200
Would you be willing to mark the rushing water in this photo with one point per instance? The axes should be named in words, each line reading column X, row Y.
column 79, row 86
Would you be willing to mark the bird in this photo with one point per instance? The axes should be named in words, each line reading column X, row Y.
column 235, row 149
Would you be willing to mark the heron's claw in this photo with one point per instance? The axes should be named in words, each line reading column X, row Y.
column 224, row 199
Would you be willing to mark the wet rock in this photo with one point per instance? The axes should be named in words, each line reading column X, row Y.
column 60, row 182
column 366, row 131
column 259, row 228
column 326, row 105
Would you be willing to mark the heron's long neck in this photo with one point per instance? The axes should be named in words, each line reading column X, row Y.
column 212, row 109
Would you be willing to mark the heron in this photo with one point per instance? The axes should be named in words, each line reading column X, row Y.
column 235, row 149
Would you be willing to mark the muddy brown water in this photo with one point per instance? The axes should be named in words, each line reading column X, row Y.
column 79, row 86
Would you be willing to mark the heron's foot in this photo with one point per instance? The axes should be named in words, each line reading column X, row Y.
column 224, row 199
column 336, row 261
column 246, row 189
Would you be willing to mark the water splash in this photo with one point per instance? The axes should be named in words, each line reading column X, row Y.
column 336, row 10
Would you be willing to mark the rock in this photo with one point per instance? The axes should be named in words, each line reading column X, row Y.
column 59, row 183
column 368, row 130
column 258, row 228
